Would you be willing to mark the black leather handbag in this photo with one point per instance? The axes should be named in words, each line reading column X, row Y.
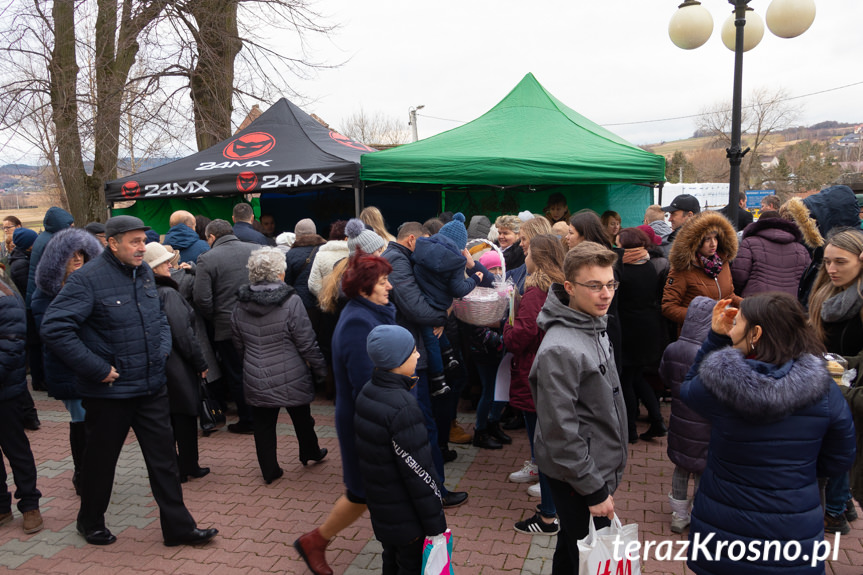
column 211, row 414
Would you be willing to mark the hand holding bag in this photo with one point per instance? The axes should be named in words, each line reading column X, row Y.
column 596, row 551
column 210, row 413
column 437, row 554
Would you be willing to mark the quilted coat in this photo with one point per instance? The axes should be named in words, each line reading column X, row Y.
column 298, row 271
column 774, row 430
column 771, row 257
column 109, row 314
column 402, row 487
column 688, row 432
column 186, row 241
column 275, row 338
column 50, row 275
column 13, row 341
column 439, row 268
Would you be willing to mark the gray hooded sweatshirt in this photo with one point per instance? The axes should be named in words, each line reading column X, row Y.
column 581, row 425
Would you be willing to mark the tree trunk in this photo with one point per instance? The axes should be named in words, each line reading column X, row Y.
column 212, row 81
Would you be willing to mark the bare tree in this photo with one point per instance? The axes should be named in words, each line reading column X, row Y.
column 767, row 111
column 376, row 128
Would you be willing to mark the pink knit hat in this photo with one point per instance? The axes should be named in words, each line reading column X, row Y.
column 490, row 259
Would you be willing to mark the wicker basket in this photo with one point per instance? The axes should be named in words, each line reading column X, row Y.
column 484, row 306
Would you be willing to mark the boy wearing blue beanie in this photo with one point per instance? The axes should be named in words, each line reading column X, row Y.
column 440, row 263
column 402, row 487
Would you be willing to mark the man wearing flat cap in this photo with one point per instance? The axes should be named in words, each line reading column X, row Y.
column 108, row 325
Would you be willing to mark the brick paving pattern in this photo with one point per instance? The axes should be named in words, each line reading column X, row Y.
column 258, row 523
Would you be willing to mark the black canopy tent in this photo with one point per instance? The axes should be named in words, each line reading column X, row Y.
column 284, row 150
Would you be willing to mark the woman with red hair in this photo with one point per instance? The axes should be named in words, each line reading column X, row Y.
column 365, row 283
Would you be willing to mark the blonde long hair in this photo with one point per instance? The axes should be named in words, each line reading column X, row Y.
column 849, row 240
column 328, row 298
column 371, row 216
column 547, row 254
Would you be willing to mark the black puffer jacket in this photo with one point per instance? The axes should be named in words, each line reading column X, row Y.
column 402, row 487
column 186, row 361
column 13, row 340
column 109, row 314
column 19, row 268
column 276, row 341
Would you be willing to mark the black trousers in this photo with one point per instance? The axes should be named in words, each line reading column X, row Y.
column 635, row 387
column 264, row 421
column 107, row 423
column 573, row 514
column 16, row 447
column 403, row 559
column 232, row 372
column 185, row 429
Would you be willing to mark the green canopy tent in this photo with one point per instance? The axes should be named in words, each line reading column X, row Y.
column 526, row 147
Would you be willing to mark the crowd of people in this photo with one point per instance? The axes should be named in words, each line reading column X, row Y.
column 731, row 324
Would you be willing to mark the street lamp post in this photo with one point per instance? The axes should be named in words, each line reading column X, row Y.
column 691, row 26
column 412, row 120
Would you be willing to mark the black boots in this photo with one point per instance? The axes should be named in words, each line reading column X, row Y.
column 437, row 385
column 484, row 440
column 449, row 360
column 497, row 433
column 656, row 429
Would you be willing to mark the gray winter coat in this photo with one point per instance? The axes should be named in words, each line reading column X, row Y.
column 276, row 341
column 219, row 274
column 581, row 429
column 688, row 432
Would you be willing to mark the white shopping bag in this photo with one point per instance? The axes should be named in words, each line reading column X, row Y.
column 503, row 378
column 596, row 551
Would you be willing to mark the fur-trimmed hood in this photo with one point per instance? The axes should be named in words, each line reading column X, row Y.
column 306, row 240
column 51, row 270
column 689, row 236
column 775, row 230
column 260, row 299
column 799, row 214
column 762, row 392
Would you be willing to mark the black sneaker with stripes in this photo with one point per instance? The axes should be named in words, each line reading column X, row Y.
column 534, row 525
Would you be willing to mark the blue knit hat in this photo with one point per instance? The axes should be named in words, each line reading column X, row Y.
column 23, row 238
column 389, row 346
column 456, row 231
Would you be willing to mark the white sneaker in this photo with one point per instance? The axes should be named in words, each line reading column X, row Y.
column 534, row 491
column 527, row 474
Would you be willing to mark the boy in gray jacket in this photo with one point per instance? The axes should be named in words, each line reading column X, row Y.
column 581, row 431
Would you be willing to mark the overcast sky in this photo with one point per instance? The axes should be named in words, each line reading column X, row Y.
column 610, row 60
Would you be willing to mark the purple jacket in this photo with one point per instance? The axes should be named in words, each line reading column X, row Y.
column 770, row 258
column 688, row 432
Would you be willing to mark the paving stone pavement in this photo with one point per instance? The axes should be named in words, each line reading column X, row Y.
column 258, row 523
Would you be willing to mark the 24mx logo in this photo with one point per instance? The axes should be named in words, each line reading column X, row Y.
column 249, row 145
column 296, row 180
column 174, row 188
column 226, row 165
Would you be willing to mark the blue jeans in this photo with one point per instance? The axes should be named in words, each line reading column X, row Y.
column 546, row 503
column 75, row 409
column 487, row 409
column 836, row 493
column 434, row 345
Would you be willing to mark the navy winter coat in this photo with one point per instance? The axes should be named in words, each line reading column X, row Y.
column 412, row 309
column 439, row 269
column 19, row 268
column 352, row 368
column 13, row 342
column 50, row 275
column 55, row 219
column 688, row 432
column 774, row 430
column 186, row 241
column 402, row 487
column 298, row 270
column 109, row 314
column 246, row 232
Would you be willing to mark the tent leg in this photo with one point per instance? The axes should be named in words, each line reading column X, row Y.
column 358, row 200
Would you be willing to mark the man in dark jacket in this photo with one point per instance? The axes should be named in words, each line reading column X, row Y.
column 220, row 273
column 108, row 325
column 744, row 218
column 13, row 440
column 413, row 311
column 183, row 237
column 402, row 489
column 243, row 217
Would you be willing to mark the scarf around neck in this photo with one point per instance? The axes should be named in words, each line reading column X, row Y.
column 712, row 266
column 842, row 306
